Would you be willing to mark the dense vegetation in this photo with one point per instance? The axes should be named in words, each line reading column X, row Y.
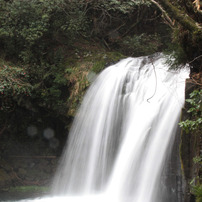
column 41, row 41
column 185, row 17
column 50, row 49
column 191, row 125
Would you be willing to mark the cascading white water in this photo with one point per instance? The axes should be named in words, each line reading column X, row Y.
column 122, row 133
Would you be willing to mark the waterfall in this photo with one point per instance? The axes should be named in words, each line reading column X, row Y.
column 123, row 134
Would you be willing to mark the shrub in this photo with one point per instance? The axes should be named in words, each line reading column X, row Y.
column 14, row 86
column 195, row 109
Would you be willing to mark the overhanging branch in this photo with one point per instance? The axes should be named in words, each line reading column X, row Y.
column 171, row 24
column 180, row 16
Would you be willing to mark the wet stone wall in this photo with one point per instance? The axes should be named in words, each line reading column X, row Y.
column 190, row 147
column 171, row 187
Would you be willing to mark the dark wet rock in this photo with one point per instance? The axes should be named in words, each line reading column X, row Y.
column 5, row 179
column 22, row 173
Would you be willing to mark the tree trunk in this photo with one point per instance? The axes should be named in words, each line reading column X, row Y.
column 189, row 30
column 180, row 16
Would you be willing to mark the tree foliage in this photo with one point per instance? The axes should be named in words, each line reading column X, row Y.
column 14, row 87
column 192, row 127
column 37, row 37
column 185, row 18
column 30, row 29
column 195, row 111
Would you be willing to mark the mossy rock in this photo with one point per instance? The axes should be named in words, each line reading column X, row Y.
column 106, row 59
column 36, row 173
column 4, row 165
column 22, row 173
column 80, row 66
column 5, row 179
column 29, row 189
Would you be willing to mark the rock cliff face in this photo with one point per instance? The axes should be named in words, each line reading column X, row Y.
column 31, row 164
column 172, row 174
column 26, row 169
column 189, row 148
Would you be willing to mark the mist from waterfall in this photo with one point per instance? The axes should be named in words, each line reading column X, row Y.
column 123, row 134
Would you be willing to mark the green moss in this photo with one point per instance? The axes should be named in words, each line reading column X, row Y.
column 4, row 176
column 85, row 60
column 115, row 56
column 105, row 59
column 98, row 66
column 29, row 189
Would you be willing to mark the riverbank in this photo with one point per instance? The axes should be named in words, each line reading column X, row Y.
column 23, row 192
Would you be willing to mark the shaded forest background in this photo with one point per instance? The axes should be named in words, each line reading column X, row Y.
column 41, row 43
column 51, row 50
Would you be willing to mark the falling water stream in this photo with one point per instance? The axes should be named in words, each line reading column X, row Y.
column 122, row 134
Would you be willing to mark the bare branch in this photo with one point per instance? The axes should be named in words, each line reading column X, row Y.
column 196, row 58
column 185, row 20
column 171, row 23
